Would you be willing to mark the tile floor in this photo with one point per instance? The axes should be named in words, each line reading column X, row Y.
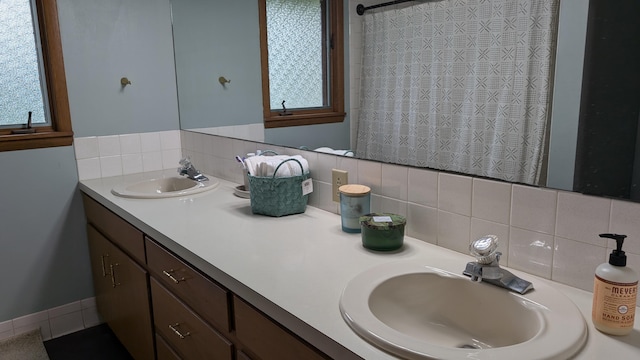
column 95, row 343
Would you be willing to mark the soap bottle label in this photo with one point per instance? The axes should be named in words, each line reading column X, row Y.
column 614, row 304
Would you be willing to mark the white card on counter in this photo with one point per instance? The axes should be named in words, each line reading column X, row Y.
column 307, row 187
column 382, row 219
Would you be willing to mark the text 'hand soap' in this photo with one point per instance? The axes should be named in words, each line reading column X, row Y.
column 614, row 292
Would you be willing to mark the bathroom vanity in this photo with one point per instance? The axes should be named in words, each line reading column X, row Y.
column 143, row 291
column 202, row 277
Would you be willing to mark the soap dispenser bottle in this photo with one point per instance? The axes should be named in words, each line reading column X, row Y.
column 614, row 292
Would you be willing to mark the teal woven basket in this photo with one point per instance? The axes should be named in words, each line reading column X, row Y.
column 278, row 196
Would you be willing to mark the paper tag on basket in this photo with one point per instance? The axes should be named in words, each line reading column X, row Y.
column 382, row 219
column 307, row 187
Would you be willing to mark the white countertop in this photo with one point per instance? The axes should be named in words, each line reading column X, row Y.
column 294, row 268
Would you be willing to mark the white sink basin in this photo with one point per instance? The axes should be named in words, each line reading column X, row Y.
column 420, row 312
column 163, row 187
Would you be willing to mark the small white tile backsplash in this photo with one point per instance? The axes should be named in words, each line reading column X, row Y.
column 370, row 174
column 350, row 165
column 131, row 163
column 89, row 168
column 130, row 144
column 170, row 140
column 109, row 145
column 451, row 210
column 534, row 209
column 625, row 219
column 491, row 200
column 152, row 161
column 531, row 252
column 111, row 166
column 582, row 218
column 321, row 165
column 321, row 197
column 454, row 231
column 114, row 155
column 395, row 181
column 390, row 205
column 86, row 147
column 441, row 208
column 422, row 223
column 576, row 273
column 422, row 187
column 150, row 142
column 454, row 193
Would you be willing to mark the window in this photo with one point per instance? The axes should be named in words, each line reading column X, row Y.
column 302, row 56
column 51, row 122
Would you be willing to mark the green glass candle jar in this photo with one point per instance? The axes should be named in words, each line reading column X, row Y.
column 382, row 232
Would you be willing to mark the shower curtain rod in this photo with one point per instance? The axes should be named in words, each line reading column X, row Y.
column 360, row 9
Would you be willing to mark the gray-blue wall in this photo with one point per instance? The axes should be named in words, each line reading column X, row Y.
column 44, row 257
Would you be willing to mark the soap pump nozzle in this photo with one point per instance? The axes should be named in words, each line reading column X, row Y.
column 617, row 257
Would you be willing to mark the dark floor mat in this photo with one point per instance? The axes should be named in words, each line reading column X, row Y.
column 95, row 343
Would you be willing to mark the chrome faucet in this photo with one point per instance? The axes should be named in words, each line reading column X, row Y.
column 190, row 171
column 487, row 268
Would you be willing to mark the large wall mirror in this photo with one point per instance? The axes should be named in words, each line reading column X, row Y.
column 591, row 136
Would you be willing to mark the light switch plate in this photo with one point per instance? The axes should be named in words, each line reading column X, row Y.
column 338, row 178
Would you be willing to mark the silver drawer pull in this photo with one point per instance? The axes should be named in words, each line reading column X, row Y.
column 114, row 283
column 169, row 274
column 104, row 271
column 175, row 331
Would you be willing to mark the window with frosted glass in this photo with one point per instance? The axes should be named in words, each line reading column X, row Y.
column 296, row 39
column 20, row 88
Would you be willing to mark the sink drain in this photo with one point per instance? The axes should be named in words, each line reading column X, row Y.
column 469, row 346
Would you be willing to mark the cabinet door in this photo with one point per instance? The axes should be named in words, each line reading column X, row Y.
column 268, row 339
column 122, row 296
column 100, row 250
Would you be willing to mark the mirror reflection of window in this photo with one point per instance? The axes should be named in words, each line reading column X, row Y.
column 297, row 64
column 21, row 91
column 302, row 58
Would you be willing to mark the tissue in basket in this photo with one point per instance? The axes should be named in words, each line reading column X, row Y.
column 279, row 196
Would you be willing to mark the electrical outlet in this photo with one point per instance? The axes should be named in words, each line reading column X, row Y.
column 338, row 178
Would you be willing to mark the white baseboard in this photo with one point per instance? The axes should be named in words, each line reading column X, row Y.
column 55, row 322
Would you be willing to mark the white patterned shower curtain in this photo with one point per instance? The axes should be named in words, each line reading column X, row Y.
column 459, row 85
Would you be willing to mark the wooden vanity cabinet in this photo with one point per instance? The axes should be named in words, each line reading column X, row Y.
column 188, row 302
column 117, row 230
column 120, row 284
column 159, row 306
column 267, row 339
column 183, row 330
column 209, row 299
column 164, row 351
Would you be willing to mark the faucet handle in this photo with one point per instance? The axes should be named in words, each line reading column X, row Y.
column 485, row 249
column 185, row 161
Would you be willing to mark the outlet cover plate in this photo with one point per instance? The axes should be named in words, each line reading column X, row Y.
column 338, row 178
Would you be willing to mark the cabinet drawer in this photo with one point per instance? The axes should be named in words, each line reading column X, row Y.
column 183, row 330
column 267, row 339
column 164, row 351
column 115, row 228
column 204, row 296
